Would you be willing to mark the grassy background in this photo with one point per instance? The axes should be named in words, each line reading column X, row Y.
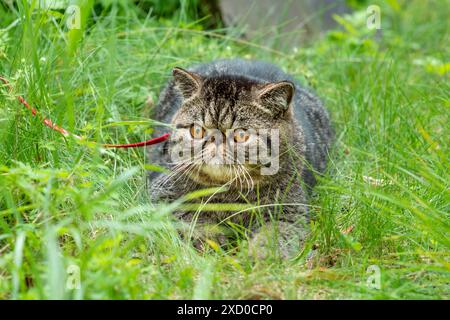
column 66, row 204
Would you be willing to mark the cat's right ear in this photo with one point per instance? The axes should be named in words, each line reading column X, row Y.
column 187, row 82
column 277, row 96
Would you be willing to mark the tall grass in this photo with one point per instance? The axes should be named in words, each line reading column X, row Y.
column 67, row 205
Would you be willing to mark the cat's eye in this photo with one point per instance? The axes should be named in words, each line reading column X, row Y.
column 197, row 132
column 241, row 135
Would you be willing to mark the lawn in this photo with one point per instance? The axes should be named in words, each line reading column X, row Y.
column 75, row 218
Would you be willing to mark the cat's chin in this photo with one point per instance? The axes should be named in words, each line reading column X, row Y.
column 214, row 175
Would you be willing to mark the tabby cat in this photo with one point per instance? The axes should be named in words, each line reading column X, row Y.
column 281, row 131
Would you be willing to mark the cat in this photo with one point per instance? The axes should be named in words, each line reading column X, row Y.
column 217, row 108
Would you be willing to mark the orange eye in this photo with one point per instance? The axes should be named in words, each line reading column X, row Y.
column 197, row 132
column 241, row 135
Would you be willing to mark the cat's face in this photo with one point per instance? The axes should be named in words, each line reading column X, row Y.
column 228, row 129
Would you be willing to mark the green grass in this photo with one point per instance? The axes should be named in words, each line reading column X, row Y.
column 65, row 204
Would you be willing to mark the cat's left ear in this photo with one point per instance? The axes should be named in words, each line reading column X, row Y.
column 277, row 96
column 187, row 82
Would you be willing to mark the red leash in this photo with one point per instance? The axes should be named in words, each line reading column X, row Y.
column 64, row 132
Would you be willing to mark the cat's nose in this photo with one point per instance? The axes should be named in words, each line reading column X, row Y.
column 214, row 153
column 217, row 137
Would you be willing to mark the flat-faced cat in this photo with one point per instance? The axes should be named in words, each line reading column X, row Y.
column 248, row 126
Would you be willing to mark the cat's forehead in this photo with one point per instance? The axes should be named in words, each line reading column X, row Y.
column 225, row 114
column 227, row 87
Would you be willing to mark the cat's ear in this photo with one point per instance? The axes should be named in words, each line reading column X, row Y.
column 277, row 96
column 187, row 82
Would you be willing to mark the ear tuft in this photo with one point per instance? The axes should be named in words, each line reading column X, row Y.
column 277, row 96
column 187, row 82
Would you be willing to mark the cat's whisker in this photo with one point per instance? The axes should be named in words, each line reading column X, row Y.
column 181, row 168
column 242, row 169
column 250, row 182
column 235, row 174
column 244, row 178
column 173, row 173
column 184, row 174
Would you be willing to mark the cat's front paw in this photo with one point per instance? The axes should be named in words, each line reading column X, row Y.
column 259, row 247
column 283, row 239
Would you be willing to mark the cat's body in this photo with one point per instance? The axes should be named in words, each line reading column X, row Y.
column 228, row 94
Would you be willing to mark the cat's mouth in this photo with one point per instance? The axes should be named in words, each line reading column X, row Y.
column 218, row 174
